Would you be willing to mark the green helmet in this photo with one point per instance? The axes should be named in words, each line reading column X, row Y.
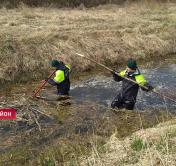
column 132, row 64
column 55, row 63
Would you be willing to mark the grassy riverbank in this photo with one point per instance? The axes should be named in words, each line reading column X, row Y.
column 153, row 146
column 48, row 134
column 31, row 37
column 83, row 135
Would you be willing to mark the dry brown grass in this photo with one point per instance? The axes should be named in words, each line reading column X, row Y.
column 57, row 3
column 30, row 38
column 160, row 149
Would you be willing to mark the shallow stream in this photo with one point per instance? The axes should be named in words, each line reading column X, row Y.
column 89, row 113
column 102, row 89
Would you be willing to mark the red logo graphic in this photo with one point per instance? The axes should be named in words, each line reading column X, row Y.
column 7, row 114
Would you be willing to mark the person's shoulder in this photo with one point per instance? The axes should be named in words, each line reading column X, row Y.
column 68, row 66
column 59, row 72
column 122, row 72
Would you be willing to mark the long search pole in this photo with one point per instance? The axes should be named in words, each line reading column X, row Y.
column 109, row 69
column 43, row 84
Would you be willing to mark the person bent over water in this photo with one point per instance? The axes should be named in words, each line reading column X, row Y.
column 126, row 98
column 62, row 77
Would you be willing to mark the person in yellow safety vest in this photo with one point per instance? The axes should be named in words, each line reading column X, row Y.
column 126, row 98
column 61, row 79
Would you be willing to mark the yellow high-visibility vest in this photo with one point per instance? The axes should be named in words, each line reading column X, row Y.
column 60, row 76
column 139, row 78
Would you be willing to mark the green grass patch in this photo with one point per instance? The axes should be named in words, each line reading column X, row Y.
column 162, row 146
column 166, row 143
column 138, row 144
column 172, row 133
column 19, row 156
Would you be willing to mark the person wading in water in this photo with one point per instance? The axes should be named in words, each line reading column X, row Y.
column 61, row 79
column 126, row 98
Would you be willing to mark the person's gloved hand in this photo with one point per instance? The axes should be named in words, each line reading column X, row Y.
column 114, row 73
column 149, row 87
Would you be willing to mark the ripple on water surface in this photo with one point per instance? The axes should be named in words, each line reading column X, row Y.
column 102, row 89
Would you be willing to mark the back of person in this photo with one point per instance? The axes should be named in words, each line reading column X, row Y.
column 63, row 86
column 62, row 77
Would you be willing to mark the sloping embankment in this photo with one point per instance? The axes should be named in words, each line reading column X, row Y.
column 153, row 146
column 31, row 37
